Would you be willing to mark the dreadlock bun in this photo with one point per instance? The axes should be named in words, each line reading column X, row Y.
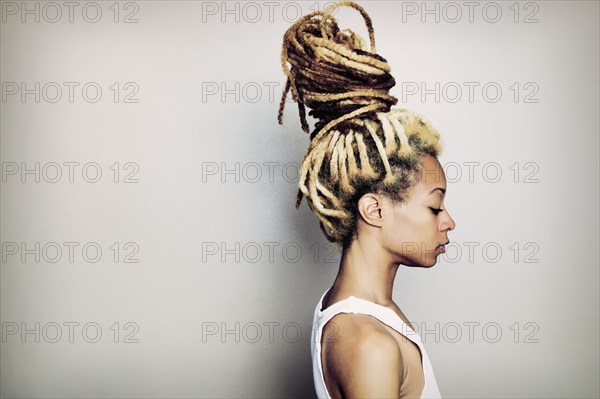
column 332, row 72
column 359, row 143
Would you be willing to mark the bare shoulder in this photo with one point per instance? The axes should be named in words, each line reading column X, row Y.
column 361, row 357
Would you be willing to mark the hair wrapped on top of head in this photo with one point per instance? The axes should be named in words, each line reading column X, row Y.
column 359, row 143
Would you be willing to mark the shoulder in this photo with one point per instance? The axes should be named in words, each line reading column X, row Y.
column 363, row 357
column 362, row 337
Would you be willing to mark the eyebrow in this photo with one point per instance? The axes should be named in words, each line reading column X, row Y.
column 443, row 190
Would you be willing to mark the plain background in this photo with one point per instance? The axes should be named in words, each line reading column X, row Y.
column 229, row 272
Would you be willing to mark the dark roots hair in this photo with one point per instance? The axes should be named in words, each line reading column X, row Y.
column 359, row 144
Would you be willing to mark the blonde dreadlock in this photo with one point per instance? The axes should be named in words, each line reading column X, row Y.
column 359, row 143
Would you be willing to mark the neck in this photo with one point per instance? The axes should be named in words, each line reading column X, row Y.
column 367, row 272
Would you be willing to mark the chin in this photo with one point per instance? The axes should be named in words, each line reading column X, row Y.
column 427, row 262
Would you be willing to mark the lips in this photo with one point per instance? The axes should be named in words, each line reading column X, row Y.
column 442, row 247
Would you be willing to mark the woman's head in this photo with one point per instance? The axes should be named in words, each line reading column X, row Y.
column 359, row 145
column 411, row 230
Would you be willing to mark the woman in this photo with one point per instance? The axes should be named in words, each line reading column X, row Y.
column 372, row 177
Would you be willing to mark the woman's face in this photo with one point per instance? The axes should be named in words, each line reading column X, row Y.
column 413, row 230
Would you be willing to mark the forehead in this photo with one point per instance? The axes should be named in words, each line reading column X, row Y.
column 432, row 174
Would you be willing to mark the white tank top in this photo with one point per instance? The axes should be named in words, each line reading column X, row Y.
column 385, row 315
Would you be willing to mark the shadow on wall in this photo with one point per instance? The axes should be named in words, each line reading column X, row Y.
column 294, row 371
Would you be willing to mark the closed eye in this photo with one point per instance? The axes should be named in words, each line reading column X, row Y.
column 435, row 211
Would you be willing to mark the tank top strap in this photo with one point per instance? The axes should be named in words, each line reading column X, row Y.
column 384, row 314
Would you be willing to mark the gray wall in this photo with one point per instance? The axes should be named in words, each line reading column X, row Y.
column 220, row 300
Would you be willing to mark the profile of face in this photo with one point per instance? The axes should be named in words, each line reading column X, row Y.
column 413, row 230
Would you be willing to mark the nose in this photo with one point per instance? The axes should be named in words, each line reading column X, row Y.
column 447, row 223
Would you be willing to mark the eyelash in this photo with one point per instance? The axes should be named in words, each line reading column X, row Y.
column 435, row 211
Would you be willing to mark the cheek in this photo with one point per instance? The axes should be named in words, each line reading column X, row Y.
column 410, row 226
column 417, row 227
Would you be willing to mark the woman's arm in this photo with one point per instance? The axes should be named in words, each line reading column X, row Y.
column 365, row 362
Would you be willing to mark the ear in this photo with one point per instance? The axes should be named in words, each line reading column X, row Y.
column 370, row 206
